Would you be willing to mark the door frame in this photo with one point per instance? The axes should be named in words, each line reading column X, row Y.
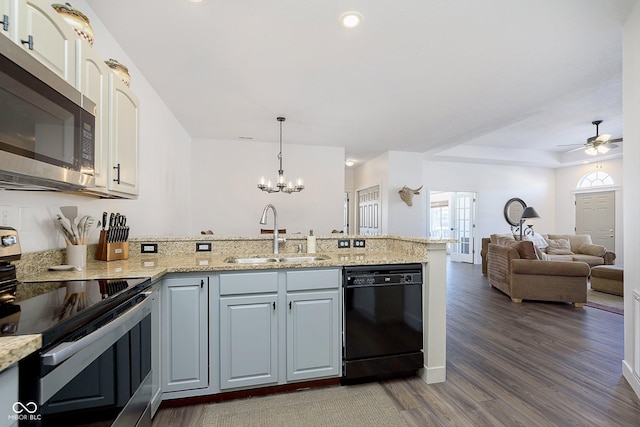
column 476, row 242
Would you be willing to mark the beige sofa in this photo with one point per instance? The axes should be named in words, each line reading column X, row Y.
column 532, row 279
column 581, row 249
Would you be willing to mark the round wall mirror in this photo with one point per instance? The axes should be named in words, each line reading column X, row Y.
column 513, row 210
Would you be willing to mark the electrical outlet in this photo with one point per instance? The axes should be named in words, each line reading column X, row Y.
column 9, row 217
column 358, row 243
column 203, row 247
column 344, row 243
column 149, row 248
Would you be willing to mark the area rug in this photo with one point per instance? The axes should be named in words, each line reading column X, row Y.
column 604, row 301
column 365, row 405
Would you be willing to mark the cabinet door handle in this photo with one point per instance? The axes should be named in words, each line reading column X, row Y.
column 289, row 305
column 28, row 42
column 201, row 283
column 117, row 168
column 274, row 305
column 5, row 22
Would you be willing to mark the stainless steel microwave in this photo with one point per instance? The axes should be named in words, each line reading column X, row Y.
column 47, row 128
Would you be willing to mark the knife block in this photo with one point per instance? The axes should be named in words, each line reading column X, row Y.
column 111, row 251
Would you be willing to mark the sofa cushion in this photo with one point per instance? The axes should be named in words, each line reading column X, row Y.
column 558, row 247
column 591, row 249
column 538, row 240
column 589, row 259
column 525, row 249
column 575, row 240
column 496, row 237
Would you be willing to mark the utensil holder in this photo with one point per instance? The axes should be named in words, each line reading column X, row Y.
column 111, row 251
column 77, row 256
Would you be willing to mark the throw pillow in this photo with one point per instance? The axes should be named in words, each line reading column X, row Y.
column 558, row 247
column 591, row 249
column 504, row 241
column 537, row 240
column 525, row 249
column 540, row 253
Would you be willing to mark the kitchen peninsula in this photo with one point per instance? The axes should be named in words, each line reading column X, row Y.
column 210, row 256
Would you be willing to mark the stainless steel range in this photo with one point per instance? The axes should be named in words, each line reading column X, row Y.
column 95, row 362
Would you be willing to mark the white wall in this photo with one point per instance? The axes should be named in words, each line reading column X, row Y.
column 495, row 185
column 631, row 162
column 566, row 181
column 227, row 201
column 372, row 173
column 162, row 207
column 405, row 168
column 391, row 171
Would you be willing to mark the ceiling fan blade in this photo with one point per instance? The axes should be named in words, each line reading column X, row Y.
column 612, row 145
column 569, row 145
column 602, row 138
column 576, row 149
column 615, row 140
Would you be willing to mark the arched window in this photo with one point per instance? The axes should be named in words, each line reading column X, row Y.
column 595, row 179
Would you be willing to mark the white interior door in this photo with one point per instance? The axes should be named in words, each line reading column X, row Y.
column 463, row 227
column 595, row 215
column 369, row 210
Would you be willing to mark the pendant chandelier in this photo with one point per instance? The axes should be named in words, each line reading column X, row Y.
column 281, row 184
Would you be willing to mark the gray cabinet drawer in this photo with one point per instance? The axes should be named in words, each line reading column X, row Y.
column 302, row 280
column 248, row 283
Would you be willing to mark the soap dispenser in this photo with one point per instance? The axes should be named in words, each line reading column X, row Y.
column 311, row 243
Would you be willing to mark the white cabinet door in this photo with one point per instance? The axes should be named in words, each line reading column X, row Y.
column 313, row 335
column 185, row 333
column 45, row 34
column 7, row 18
column 248, row 341
column 93, row 82
column 123, row 138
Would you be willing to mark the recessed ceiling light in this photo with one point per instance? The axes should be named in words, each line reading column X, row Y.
column 197, row 1
column 349, row 163
column 351, row 19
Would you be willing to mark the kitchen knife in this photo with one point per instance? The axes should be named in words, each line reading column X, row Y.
column 112, row 221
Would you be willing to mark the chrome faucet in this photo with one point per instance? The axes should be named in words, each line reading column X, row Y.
column 263, row 221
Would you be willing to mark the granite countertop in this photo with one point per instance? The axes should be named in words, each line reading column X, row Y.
column 13, row 349
column 155, row 266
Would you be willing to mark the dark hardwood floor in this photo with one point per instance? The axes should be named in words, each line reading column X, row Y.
column 529, row 364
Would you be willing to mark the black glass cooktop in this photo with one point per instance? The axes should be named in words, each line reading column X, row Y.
column 57, row 310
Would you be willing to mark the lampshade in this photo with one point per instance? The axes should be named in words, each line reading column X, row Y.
column 529, row 212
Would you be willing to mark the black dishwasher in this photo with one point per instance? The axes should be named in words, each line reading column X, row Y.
column 382, row 321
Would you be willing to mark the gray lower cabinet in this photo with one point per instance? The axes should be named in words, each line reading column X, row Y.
column 185, row 341
column 279, row 319
column 8, row 396
column 313, row 335
column 248, row 341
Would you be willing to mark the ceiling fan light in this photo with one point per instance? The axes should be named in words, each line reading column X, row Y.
column 591, row 151
column 603, row 149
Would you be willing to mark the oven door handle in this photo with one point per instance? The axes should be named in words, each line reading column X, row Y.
column 124, row 322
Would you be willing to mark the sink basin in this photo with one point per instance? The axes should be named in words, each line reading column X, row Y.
column 251, row 260
column 303, row 258
column 263, row 260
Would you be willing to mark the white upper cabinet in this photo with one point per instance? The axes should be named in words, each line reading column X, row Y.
column 123, row 138
column 93, row 82
column 46, row 35
column 7, row 18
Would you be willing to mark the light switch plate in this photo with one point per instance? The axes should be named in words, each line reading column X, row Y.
column 149, row 248
column 203, row 247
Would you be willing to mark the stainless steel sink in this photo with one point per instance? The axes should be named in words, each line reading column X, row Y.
column 263, row 260
column 303, row 258
column 251, row 260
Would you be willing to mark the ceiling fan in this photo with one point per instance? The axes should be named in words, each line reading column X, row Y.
column 598, row 144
